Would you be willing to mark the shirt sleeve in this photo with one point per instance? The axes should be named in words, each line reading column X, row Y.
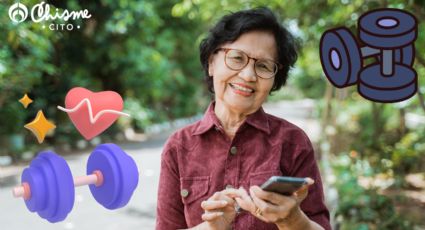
column 303, row 164
column 170, row 209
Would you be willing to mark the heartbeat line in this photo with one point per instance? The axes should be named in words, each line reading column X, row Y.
column 92, row 120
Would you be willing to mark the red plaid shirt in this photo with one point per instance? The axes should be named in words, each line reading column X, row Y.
column 200, row 159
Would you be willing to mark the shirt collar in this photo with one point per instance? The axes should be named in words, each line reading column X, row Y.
column 258, row 120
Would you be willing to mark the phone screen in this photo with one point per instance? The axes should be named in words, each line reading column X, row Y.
column 283, row 185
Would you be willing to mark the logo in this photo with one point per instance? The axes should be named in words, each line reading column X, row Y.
column 53, row 19
column 18, row 12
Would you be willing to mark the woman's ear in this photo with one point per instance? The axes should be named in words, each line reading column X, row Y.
column 211, row 66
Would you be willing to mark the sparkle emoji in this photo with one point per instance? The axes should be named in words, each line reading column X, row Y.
column 25, row 101
column 40, row 126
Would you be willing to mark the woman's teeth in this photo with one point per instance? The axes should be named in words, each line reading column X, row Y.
column 241, row 88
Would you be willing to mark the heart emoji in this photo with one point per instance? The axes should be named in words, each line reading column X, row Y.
column 90, row 112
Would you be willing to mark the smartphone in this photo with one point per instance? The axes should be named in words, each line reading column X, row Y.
column 283, row 185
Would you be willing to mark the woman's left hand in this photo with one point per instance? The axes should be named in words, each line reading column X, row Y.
column 272, row 207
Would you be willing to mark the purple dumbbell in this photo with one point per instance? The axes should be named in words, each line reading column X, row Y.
column 48, row 186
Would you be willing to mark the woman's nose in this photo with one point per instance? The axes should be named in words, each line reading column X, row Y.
column 248, row 72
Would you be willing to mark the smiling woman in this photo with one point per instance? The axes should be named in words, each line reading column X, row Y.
column 246, row 56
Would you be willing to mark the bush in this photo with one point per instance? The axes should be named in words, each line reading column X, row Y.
column 359, row 207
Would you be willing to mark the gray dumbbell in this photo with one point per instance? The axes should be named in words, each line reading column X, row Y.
column 389, row 30
column 341, row 56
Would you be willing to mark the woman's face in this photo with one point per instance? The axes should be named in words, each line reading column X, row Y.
column 242, row 91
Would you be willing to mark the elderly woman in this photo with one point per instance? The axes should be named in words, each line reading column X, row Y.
column 211, row 170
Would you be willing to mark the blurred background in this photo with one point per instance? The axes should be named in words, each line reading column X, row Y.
column 372, row 155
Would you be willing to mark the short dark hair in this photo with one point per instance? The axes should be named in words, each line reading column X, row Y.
column 232, row 26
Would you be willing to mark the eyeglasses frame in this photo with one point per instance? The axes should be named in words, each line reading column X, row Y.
column 226, row 50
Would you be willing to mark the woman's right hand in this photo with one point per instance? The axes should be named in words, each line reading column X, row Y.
column 219, row 211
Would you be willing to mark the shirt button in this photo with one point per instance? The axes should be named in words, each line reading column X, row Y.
column 233, row 150
column 184, row 193
column 229, row 186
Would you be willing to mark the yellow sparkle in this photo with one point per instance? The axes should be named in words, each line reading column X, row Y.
column 40, row 126
column 25, row 101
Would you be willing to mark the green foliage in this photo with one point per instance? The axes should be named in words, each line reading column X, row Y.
column 141, row 116
column 375, row 132
column 406, row 156
column 12, row 114
column 382, row 150
column 359, row 207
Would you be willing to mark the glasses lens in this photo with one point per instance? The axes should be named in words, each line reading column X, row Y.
column 265, row 69
column 236, row 59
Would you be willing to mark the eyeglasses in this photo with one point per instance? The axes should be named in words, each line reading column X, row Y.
column 237, row 60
